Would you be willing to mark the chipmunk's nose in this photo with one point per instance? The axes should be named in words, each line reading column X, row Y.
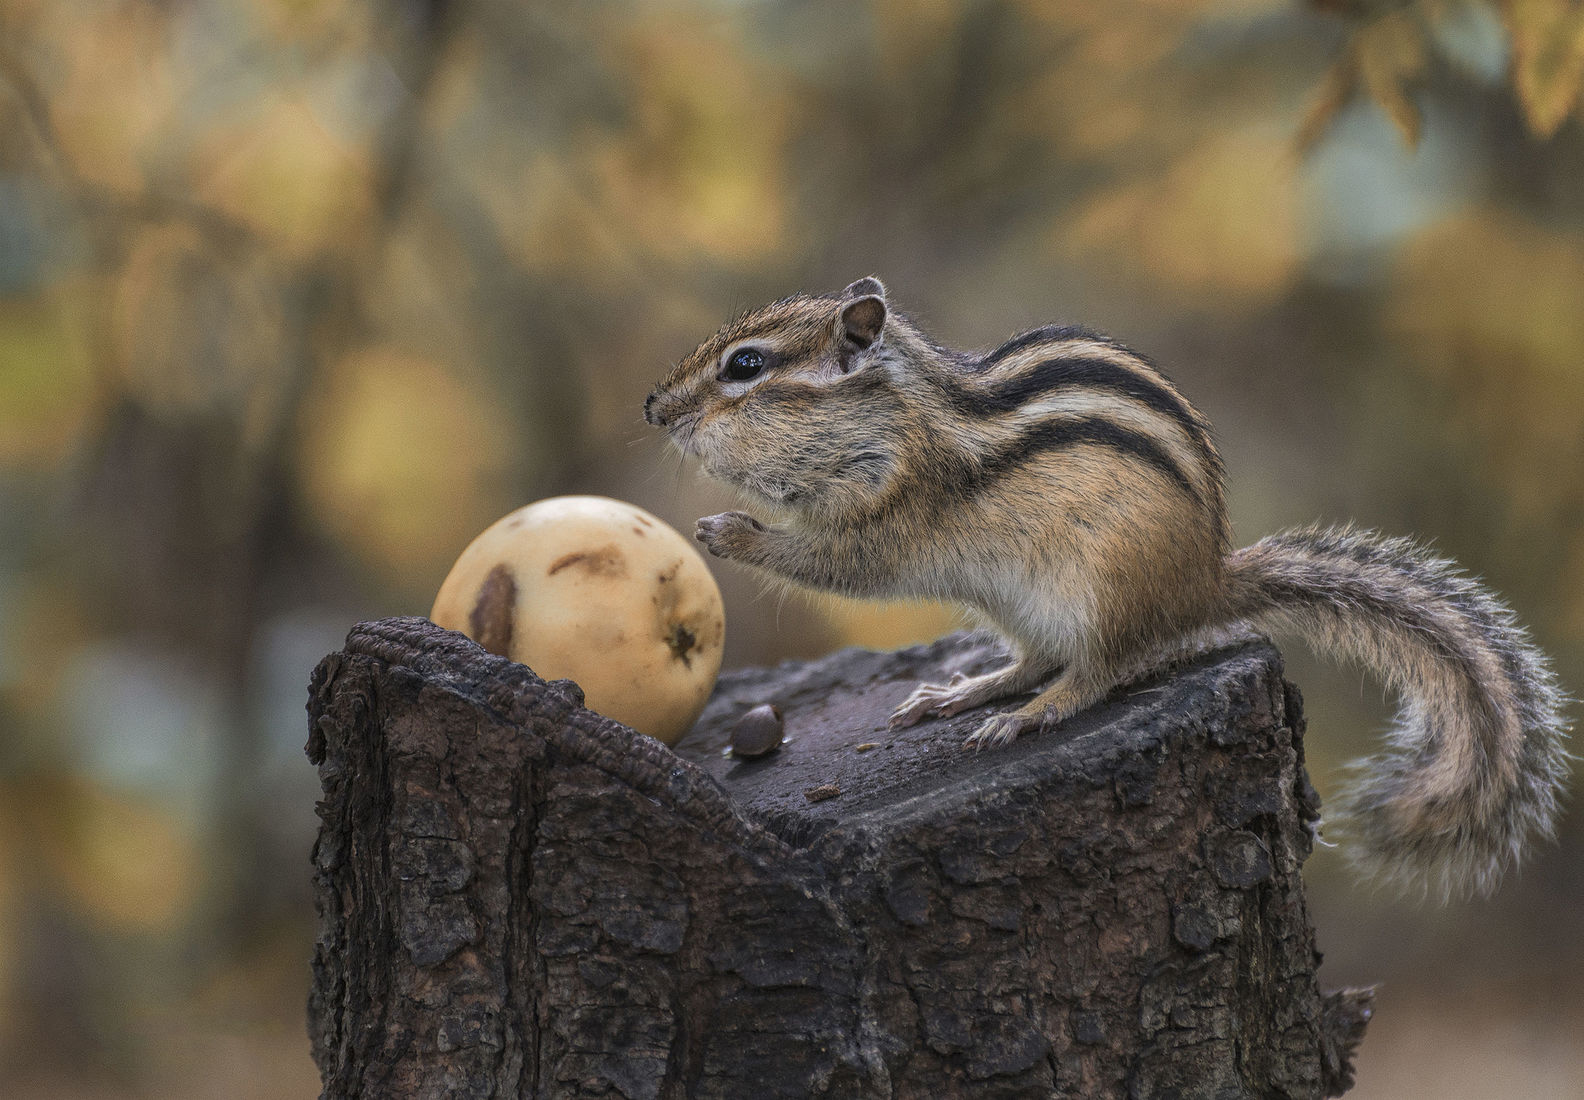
column 655, row 409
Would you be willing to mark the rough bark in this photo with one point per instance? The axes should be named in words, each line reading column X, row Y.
column 520, row 898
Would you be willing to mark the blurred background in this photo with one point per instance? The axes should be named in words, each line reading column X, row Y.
column 296, row 296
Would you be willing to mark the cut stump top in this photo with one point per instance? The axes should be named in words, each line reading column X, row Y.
column 837, row 733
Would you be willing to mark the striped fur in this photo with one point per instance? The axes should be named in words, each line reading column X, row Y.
column 1476, row 760
column 1061, row 486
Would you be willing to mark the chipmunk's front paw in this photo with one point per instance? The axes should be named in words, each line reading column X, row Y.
column 728, row 535
column 942, row 699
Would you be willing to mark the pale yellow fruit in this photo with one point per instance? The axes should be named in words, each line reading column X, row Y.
column 601, row 592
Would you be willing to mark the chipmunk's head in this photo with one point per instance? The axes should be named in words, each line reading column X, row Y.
column 799, row 402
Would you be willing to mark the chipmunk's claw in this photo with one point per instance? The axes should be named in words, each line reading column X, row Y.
column 1002, row 729
column 941, row 700
column 998, row 730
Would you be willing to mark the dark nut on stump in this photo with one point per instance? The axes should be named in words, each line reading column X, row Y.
column 757, row 732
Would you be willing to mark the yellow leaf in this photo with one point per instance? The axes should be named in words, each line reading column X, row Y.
column 701, row 166
column 124, row 861
column 1548, row 59
column 117, row 95
column 1391, row 53
column 404, row 460
column 1336, row 90
column 283, row 172
column 1219, row 228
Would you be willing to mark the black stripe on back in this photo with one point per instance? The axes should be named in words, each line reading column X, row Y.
column 1058, row 373
column 1054, row 375
column 1054, row 435
column 1048, row 334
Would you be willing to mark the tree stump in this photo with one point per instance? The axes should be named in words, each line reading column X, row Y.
column 520, row 898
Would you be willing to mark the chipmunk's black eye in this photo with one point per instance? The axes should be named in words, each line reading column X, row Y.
column 744, row 364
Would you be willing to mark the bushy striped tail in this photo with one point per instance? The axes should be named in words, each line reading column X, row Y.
column 1476, row 761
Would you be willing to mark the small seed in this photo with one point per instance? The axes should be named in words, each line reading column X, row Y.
column 821, row 793
column 757, row 732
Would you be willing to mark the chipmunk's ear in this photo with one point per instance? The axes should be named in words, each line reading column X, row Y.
column 866, row 287
column 863, row 312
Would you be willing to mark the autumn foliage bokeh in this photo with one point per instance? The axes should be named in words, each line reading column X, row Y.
column 298, row 295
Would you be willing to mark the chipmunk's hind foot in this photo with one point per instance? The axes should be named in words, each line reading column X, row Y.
column 1002, row 729
column 963, row 692
column 1071, row 693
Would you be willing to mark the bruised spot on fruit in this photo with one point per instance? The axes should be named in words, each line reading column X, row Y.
column 607, row 561
column 491, row 618
column 639, row 531
column 670, row 574
column 682, row 642
column 643, row 519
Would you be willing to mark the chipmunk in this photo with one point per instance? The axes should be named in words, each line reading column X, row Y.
column 1062, row 488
